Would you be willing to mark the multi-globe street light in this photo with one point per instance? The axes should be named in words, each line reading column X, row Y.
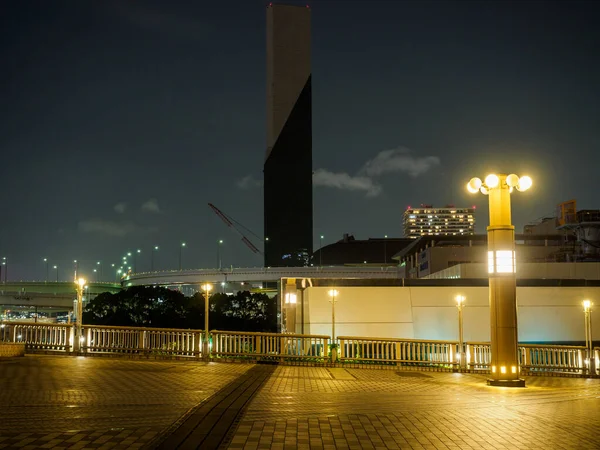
column 206, row 287
column 502, row 275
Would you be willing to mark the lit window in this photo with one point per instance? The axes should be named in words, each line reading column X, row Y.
column 505, row 261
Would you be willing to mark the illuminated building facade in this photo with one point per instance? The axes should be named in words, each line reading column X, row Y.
column 288, row 211
column 447, row 221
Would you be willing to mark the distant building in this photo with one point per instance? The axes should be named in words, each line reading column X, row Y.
column 349, row 251
column 446, row 221
column 288, row 211
column 428, row 255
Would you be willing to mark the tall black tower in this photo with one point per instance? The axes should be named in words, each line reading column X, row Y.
column 288, row 162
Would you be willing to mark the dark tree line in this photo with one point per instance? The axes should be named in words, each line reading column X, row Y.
column 159, row 307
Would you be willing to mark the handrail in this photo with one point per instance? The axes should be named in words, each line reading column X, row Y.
column 289, row 347
column 263, row 333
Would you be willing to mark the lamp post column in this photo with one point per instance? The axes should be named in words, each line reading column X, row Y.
column 502, row 289
column 589, row 344
column 77, row 338
column 459, row 304
column 205, row 345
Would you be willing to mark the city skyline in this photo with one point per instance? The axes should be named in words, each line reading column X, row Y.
column 122, row 120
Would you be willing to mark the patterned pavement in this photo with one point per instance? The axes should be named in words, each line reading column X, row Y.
column 75, row 402
column 320, row 408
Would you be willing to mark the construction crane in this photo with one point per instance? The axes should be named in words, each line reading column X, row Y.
column 230, row 223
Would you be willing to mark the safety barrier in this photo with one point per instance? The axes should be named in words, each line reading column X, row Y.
column 280, row 346
column 287, row 347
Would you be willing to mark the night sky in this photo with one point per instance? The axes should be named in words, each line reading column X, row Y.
column 121, row 120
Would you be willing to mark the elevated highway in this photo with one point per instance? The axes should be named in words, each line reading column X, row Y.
column 254, row 274
column 49, row 295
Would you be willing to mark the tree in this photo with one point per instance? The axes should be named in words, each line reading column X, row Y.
column 159, row 307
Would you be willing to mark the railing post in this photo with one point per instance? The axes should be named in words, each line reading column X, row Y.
column 141, row 342
column 325, row 348
column 526, row 357
column 257, row 344
column 197, row 343
column 342, row 349
column 71, row 340
column 88, row 339
column 282, row 351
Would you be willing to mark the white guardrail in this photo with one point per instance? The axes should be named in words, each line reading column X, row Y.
column 285, row 347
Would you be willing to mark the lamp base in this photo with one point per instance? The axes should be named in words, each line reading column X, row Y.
column 506, row 383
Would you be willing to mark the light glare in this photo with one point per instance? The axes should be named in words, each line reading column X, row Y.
column 524, row 183
column 492, row 181
column 512, row 180
column 473, row 185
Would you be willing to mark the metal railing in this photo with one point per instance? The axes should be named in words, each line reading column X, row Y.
column 147, row 341
column 403, row 351
column 287, row 347
column 38, row 336
column 269, row 345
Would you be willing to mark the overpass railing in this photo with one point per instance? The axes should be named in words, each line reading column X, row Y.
column 287, row 347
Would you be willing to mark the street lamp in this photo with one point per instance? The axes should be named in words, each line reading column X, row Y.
column 76, row 266
column 99, row 263
column 219, row 253
column 589, row 343
column 46, row 261
column 56, row 268
column 460, row 301
column 502, row 275
column 5, row 264
column 321, row 250
column 135, row 259
column 385, row 249
column 79, row 284
column 206, row 287
column 333, row 293
column 181, row 254
column 96, row 276
column 155, row 249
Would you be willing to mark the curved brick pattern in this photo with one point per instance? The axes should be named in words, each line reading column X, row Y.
column 75, row 402
column 311, row 408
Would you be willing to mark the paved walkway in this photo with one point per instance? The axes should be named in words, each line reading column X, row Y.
column 76, row 402
column 63, row 402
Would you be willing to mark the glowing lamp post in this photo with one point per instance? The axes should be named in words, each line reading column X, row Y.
column 502, row 276
column 589, row 345
column 79, row 285
column 333, row 293
column 206, row 287
column 460, row 301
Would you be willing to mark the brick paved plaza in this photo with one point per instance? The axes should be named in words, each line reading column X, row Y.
column 75, row 402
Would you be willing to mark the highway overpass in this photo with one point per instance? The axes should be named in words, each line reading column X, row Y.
column 254, row 275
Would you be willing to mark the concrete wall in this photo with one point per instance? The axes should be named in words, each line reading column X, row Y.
column 545, row 313
column 552, row 271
